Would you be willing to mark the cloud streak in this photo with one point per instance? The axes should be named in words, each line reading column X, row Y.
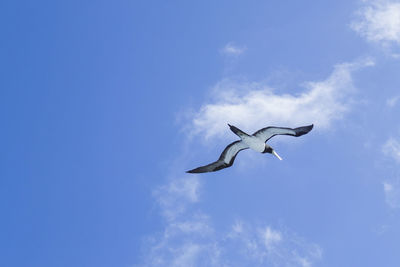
column 252, row 105
column 392, row 193
column 392, row 102
column 391, row 187
column 174, row 197
column 231, row 49
column 190, row 238
column 379, row 22
column 193, row 241
column 266, row 245
column 392, row 149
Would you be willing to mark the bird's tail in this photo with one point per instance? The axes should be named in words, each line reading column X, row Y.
column 237, row 131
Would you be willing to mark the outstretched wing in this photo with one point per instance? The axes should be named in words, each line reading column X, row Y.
column 266, row 133
column 225, row 160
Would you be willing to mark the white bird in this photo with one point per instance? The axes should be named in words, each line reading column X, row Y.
column 256, row 141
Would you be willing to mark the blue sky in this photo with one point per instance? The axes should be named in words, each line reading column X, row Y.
column 105, row 105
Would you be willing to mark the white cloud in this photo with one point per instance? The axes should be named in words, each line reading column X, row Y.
column 250, row 246
column 391, row 102
column 185, row 241
column 391, row 187
column 187, row 255
column 379, row 22
column 198, row 225
column 268, row 246
column 252, row 105
column 271, row 237
column 176, row 195
column 304, row 262
column 231, row 49
column 387, row 187
column 392, row 193
column 237, row 227
column 392, row 149
column 190, row 239
column 192, row 255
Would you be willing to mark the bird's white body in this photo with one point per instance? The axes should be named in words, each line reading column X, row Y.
column 254, row 143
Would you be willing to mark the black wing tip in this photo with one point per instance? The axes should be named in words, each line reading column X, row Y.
column 304, row 130
column 197, row 170
column 209, row 168
column 236, row 130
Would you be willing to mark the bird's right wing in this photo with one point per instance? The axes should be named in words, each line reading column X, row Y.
column 266, row 133
column 225, row 160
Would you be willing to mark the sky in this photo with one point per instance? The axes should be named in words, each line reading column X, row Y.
column 106, row 104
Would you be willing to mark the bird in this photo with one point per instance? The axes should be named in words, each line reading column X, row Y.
column 256, row 141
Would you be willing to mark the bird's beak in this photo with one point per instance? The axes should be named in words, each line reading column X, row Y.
column 276, row 154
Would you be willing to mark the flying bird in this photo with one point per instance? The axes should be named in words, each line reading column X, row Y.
column 256, row 141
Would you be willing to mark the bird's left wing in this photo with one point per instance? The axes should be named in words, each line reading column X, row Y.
column 266, row 133
column 225, row 160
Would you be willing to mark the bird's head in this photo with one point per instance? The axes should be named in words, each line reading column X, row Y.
column 270, row 150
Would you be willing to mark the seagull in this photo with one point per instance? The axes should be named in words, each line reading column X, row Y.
column 256, row 141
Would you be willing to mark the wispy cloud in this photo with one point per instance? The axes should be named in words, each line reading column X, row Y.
column 392, row 149
column 271, row 237
column 188, row 243
column 379, row 21
column 252, row 105
column 251, row 245
column 174, row 197
column 392, row 193
column 391, row 187
column 190, row 239
column 267, row 245
column 187, row 239
column 230, row 49
column 391, row 102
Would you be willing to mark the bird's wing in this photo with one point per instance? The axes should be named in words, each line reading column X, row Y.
column 266, row 133
column 225, row 160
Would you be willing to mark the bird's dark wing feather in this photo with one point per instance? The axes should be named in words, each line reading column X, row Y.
column 225, row 160
column 268, row 132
